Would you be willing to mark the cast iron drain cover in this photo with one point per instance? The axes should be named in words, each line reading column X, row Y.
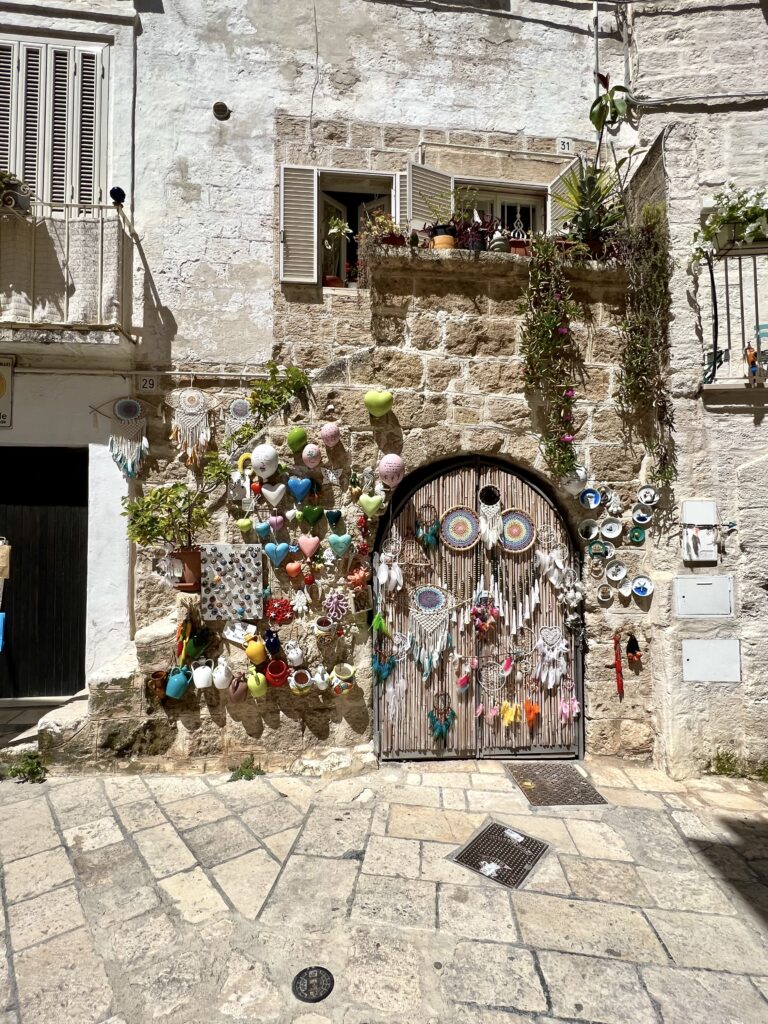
column 313, row 984
column 548, row 783
column 501, row 853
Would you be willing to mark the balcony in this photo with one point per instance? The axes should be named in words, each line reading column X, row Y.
column 66, row 277
column 737, row 310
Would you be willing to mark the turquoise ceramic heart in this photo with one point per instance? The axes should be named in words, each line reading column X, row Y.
column 276, row 553
column 262, row 529
column 333, row 515
column 370, row 503
column 339, row 542
column 299, row 487
column 312, row 513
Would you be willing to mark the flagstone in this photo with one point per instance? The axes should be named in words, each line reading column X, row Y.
column 386, row 855
column 606, row 880
column 684, row 996
column 714, row 943
column 397, row 901
column 247, row 881
column 429, row 823
column 476, row 913
column 596, row 990
column 494, row 974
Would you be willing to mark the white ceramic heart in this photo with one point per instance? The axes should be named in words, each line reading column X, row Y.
column 274, row 493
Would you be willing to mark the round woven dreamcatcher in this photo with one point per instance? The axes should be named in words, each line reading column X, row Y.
column 429, row 623
column 237, row 415
column 128, row 443
column 547, row 536
column 191, row 430
column 489, row 502
column 518, row 533
column 491, row 678
column 460, row 528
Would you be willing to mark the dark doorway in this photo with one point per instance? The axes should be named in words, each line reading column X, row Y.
column 44, row 517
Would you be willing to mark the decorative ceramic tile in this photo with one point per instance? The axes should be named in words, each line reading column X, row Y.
column 231, row 581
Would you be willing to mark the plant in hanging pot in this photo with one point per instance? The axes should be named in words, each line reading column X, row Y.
column 172, row 516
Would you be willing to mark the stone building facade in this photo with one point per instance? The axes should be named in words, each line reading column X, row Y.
column 481, row 90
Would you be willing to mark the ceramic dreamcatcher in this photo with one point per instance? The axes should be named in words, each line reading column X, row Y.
column 551, row 661
column 460, row 528
column 191, row 429
column 128, row 444
column 489, row 504
column 429, row 626
column 518, row 532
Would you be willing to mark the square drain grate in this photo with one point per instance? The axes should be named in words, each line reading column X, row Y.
column 549, row 783
column 501, row 853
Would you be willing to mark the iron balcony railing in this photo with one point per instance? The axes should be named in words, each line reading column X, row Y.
column 738, row 313
column 66, row 266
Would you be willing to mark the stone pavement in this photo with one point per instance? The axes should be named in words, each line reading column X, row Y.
column 186, row 899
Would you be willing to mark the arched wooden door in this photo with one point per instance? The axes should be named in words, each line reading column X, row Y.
column 527, row 602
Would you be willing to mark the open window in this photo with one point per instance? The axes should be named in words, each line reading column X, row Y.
column 315, row 206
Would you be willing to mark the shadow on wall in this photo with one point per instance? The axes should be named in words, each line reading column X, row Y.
column 159, row 324
column 149, row 6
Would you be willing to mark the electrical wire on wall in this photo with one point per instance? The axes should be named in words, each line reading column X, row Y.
column 316, row 81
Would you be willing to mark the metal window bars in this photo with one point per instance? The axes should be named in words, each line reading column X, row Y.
column 738, row 278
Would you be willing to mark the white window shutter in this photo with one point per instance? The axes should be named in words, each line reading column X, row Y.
column 298, row 225
column 557, row 214
column 60, row 76
column 7, row 105
column 425, row 184
column 32, row 119
column 86, row 170
column 402, row 199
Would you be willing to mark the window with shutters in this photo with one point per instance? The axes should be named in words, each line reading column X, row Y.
column 53, row 109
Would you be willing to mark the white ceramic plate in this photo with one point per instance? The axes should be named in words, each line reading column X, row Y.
column 648, row 495
column 604, row 594
column 642, row 586
column 616, row 571
column 642, row 514
column 611, row 528
column 590, row 498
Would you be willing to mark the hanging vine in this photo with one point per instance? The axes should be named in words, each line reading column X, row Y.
column 644, row 398
column 553, row 361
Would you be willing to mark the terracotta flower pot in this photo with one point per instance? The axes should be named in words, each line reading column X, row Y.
column 190, row 579
column 277, row 673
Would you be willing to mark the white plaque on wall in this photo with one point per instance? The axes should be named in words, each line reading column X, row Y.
column 6, row 391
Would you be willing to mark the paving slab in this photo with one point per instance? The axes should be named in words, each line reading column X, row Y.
column 339, row 832
column 164, row 850
column 42, row 917
column 137, row 814
column 596, row 990
column 37, row 874
column 685, row 996
column 709, row 941
column 475, row 913
column 398, row 901
column 326, row 891
column 193, row 895
column 219, row 841
column 247, row 881
column 494, row 975
column 607, row 881
column 386, row 855
column 63, row 981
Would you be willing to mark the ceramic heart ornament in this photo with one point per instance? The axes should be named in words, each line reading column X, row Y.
column 308, row 545
column 262, row 529
column 293, row 569
column 313, row 513
column 299, row 487
column 274, row 493
column 276, row 523
column 291, row 513
column 370, row 504
column 296, row 439
column 333, row 515
column 339, row 542
column 276, row 553
column 378, row 403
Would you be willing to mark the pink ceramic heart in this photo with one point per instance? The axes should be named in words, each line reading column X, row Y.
column 276, row 522
column 308, row 544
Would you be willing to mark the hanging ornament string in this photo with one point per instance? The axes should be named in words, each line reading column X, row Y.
column 427, row 527
column 429, row 626
column 396, row 682
column 489, row 505
column 128, row 444
column 618, row 666
column 191, row 428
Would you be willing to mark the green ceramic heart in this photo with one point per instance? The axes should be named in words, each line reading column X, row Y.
column 297, row 438
column 378, row 403
column 370, row 503
column 311, row 513
column 339, row 542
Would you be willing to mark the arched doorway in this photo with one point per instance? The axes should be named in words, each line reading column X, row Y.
column 442, row 584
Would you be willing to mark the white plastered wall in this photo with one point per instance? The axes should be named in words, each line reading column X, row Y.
column 52, row 411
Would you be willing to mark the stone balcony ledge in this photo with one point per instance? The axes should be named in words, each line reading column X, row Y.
column 395, row 259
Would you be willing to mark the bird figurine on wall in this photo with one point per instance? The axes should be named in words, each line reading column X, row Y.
column 117, row 195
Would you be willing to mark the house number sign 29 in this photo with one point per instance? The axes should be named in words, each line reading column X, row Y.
column 148, row 384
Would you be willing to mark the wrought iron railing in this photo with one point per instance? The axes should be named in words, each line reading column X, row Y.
column 66, row 265
column 738, row 313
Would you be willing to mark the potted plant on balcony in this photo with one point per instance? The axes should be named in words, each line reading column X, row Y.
column 592, row 196
column 172, row 516
column 737, row 217
column 15, row 195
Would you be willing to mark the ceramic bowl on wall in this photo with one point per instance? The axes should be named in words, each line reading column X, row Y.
column 641, row 514
column 588, row 529
column 616, row 571
column 604, row 593
column 590, row 498
column 642, row 586
column 611, row 528
column 637, row 535
column 625, row 589
column 648, row 495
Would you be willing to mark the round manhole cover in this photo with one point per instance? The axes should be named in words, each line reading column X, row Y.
column 313, row 984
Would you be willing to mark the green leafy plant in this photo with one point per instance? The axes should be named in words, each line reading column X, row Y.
column 643, row 397
column 593, row 198
column 273, row 394
column 553, row 361
column 741, row 213
column 732, row 766
column 173, row 515
column 609, row 111
column 28, row 768
column 337, row 229
column 246, row 770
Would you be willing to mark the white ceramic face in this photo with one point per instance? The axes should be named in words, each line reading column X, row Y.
column 264, row 460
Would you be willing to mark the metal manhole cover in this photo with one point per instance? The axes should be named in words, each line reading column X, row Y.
column 313, row 984
column 501, row 853
column 546, row 784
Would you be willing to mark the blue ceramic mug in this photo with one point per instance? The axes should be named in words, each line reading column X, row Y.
column 178, row 681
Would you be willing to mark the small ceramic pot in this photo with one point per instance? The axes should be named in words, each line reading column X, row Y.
column 179, row 679
column 256, row 682
column 238, row 689
column 343, row 678
column 202, row 673
column 156, row 683
column 277, row 673
column 222, row 674
column 574, row 480
column 300, row 682
column 324, row 626
column 255, row 649
column 321, row 678
column 588, row 529
column 272, row 642
column 294, row 654
column 604, row 593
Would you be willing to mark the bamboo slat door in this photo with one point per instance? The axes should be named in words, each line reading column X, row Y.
column 404, row 728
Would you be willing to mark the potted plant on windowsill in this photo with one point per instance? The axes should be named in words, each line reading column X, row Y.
column 737, row 217
column 172, row 516
column 592, row 196
column 337, row 231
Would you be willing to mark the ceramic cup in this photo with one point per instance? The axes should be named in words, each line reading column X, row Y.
column 300, row 682
column 277, row 673
column 324, row 626
column 202, row 673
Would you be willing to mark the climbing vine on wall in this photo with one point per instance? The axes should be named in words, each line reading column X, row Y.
column 553, row 361
column 643, row 395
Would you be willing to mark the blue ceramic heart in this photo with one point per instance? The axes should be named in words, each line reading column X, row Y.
column 299, row 487
column 276, row 553
column 333, row 515
column 339, row 542
column 262, row 529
